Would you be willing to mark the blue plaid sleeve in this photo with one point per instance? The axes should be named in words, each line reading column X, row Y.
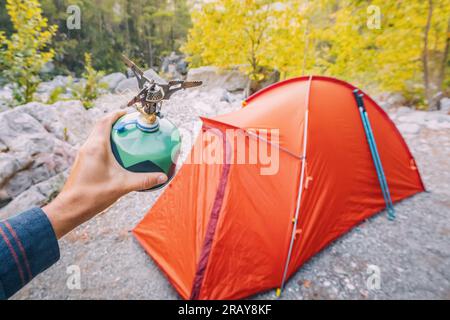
column 28, row 246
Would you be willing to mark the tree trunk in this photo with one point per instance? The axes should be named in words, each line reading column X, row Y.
column 426, row 71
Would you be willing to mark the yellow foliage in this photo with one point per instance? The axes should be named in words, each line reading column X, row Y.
column 24, row 54
column 330, row 37
column 228, row 33
column 88, row 91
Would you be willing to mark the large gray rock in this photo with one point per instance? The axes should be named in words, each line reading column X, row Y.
column 445, row 105
column 131, row 84
column 417, row 117
column 49, row 86
column 213, row 77
column 6, row 95
column 390, row 100
column 403, row 110
column 254, row 86
column 437, row 116
column 113, row 79
column 22, row 133
column 9, row 164
column 49, row 67
column 66, row 120
column 33, row 151
column 174, row 66
column 409, row 128
column 36, row 196
column 433, row 120
column 65, row 84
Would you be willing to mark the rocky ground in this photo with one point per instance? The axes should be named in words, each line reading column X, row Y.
column 411, row 254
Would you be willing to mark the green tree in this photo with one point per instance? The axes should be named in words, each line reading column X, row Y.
column 89, row 90
column 143, row 29
column 26, row 50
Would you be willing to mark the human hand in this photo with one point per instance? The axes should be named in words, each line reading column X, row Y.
column 96, row 181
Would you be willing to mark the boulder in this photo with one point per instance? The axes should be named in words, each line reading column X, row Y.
column 45, row 89
column 409, row 128
column 270, row 78
column 437, row 116
column 36, row 196
column 4, row 198
column 113, row 79
column 6, row 95
column 403, row 110
column 213, row 77
column 22, row 133
column 33, row 153
column 434, row 120
column 66, row 120
column 3, row 147
column 417, row 117
column 49, row 67
column 174, row 66
column 436, row 125
column 131, row 84
column 49, row 86
column 437, row 120
column 8, row 166
column 445, row 105
column 390, row 100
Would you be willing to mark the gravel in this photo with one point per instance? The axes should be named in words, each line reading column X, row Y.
column 411, row 254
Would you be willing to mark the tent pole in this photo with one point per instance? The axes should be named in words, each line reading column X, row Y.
column 299, row 194
column 375, row 155
column 390, row 206
column 388, row 200
column 371, row 146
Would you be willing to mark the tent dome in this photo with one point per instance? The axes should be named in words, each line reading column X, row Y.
column 227, row 230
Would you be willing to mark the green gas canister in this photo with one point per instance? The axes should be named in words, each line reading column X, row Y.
column 144, row 141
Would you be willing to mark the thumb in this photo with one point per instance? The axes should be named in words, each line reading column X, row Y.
column 144, row 181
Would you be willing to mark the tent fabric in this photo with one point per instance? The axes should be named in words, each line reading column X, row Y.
column 222, row 230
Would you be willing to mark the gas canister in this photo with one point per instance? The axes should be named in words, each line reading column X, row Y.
column 144, row 141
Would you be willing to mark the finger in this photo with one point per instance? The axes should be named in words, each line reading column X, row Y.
column 144, row 181
column 113, row 116
column 103, row 126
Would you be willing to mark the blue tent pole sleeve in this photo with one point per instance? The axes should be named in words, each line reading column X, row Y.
column 380, row 171
column 361, row 109
column 373, row 146
column 376, row 159
column 390, row 206
column 372, row 152
column 375, row 155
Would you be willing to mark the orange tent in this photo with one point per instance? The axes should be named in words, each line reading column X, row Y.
column 227, row 230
